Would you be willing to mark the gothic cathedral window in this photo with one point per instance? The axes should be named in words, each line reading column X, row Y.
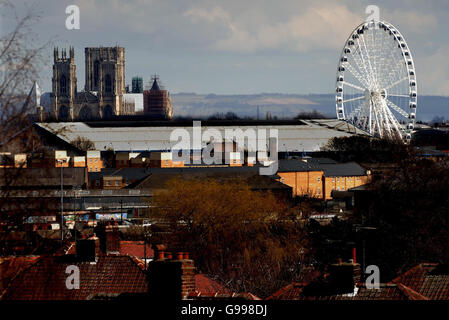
column 62, row 85
column 108, row 83
column 96, row 72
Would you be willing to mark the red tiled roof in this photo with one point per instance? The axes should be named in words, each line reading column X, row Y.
column 45, row 279
column 426, row 280
column 205, row 285
column 225, row 296
column 130, row 248
column 410, row 293
column 208, row 289
column 289, row 292
column 136, row 249
column 10, row 267
column 294, row 291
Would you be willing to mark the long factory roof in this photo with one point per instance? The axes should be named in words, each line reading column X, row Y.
column 294, row 135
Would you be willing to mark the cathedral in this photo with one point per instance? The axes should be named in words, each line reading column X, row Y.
column 104, row 95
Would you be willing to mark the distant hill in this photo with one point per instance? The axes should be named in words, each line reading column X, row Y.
column 284, row 105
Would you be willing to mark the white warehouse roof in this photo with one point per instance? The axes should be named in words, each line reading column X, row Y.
column 307, row 136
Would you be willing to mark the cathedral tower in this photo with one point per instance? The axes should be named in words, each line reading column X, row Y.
column 105, row 74
column 63, row 84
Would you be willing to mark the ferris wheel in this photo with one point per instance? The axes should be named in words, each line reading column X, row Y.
column 376, row 87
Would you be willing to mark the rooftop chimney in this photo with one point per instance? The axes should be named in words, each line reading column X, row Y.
column 112, row 239
column 344, row 276
column 109, row 237
column 85, row 249
column 170, row 278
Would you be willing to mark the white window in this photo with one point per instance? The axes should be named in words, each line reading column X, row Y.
column 319, row 179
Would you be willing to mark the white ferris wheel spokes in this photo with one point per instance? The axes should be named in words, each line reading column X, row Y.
column 376, row 86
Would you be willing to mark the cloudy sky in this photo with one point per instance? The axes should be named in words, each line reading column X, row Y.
column 241, row 46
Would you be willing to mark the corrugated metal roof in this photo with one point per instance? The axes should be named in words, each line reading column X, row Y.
column 302, row 137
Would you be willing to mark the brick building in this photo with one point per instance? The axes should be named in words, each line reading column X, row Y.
column 157, row 102
column 318, row 177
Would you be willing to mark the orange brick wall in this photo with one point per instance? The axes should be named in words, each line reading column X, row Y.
column 112, row 183
column 315, row 184
column 166, row 164
column 94, row 164
column 304, row 183
column 343, row 183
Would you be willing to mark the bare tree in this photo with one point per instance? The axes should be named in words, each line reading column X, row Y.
column 84, row 144
column 20, row 59
column 247, row 239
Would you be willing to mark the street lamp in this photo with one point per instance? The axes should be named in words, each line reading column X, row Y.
column 61, row 162
column 121, row 211
column 76, row 189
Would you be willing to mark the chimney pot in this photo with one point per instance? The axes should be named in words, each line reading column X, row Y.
column 160, row 255
column 179, row 255
column 169, row 256
column 186, row 255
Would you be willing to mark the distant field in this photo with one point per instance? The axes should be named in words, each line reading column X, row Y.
column 284, row 105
